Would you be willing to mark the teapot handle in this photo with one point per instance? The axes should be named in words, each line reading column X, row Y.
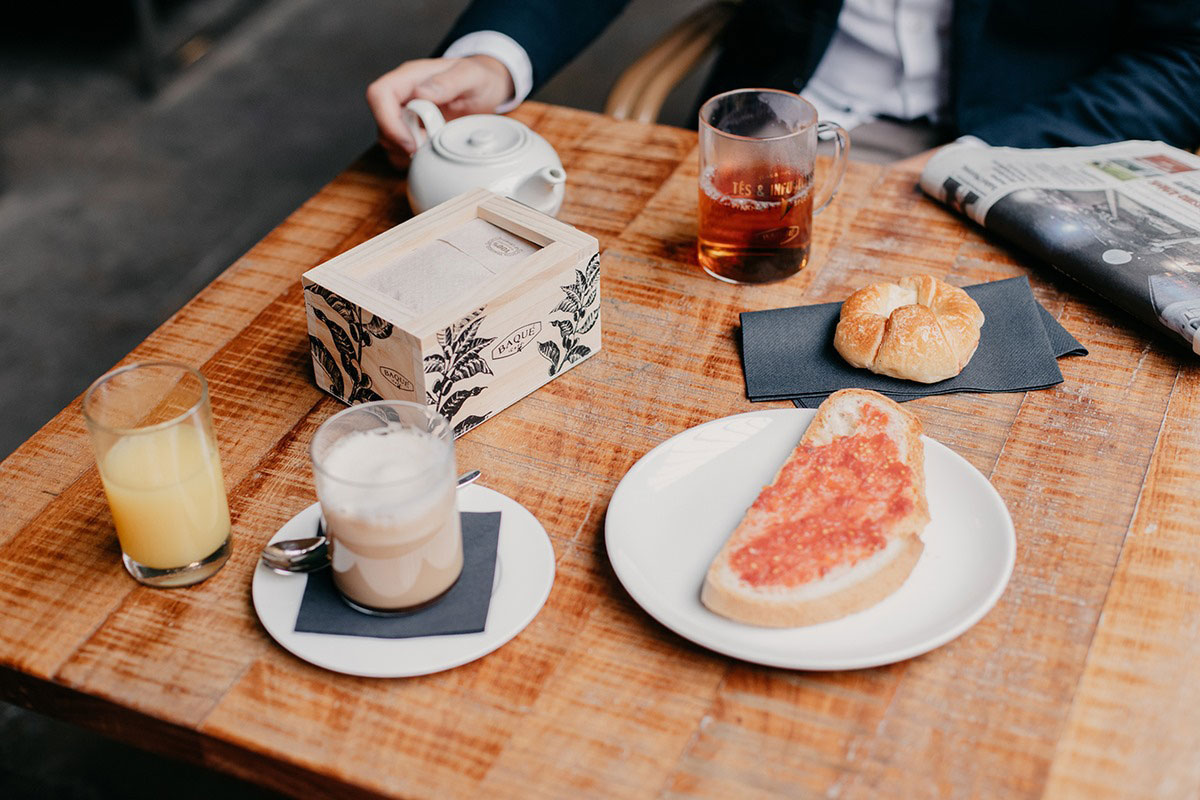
column 422, row 114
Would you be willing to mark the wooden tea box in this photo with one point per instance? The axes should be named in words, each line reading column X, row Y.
column 467, row 308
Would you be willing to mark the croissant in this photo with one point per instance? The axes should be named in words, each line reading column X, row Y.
column 921, row 329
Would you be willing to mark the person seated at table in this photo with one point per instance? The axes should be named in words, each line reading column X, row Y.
column 905, row 75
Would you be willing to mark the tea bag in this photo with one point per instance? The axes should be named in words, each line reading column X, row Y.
column 449, row 266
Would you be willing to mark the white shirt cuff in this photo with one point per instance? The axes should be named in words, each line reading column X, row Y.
column 967, row 138
column 504, row 49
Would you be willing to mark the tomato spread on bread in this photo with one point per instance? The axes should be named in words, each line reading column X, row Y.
column 831, row 504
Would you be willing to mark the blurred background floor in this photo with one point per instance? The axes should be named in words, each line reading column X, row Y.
column 116, row 208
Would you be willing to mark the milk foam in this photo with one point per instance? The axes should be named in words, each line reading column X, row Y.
column 383, row 455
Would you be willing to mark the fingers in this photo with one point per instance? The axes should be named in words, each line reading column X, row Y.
column 459, row 86
column 396, row 155
column 473, row 85
column 386, row 97
column 459, row 81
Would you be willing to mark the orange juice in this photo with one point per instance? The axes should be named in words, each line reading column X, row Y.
column 167, row 495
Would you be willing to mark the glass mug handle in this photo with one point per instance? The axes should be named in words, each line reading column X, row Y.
column 833, row 181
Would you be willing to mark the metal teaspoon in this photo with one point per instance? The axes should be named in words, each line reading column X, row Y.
column 312, row 553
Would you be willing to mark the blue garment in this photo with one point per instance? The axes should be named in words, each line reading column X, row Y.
column 1024, row 73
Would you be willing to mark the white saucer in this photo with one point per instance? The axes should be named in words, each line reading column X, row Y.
column 674, row 509
column 525, row 569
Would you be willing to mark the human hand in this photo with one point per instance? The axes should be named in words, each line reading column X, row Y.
column 472, row 85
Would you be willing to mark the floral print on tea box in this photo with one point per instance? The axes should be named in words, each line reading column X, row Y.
column 459, row 371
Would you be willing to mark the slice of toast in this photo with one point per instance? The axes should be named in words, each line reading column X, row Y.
column 839, row 527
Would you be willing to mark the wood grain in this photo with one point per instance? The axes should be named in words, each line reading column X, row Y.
column 1132, row 722
column 1081, row 682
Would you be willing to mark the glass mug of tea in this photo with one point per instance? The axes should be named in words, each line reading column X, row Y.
column 757, row 151
column 385, row 479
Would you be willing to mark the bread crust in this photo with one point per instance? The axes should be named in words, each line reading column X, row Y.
column 847, row 588
column 771, row 612
column 921, row 329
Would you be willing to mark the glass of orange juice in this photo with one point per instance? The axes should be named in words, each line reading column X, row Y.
column 151, row 427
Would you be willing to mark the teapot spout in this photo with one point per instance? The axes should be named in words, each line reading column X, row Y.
column 551, row 176
column 542, row 191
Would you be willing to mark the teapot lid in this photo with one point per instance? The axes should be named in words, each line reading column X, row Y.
column 481, row 137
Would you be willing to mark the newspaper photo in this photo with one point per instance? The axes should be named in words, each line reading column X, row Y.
column 1123, row 219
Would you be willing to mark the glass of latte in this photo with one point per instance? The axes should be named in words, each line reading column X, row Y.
column 385, row 479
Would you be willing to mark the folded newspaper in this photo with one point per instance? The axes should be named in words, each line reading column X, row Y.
column 1123, row 219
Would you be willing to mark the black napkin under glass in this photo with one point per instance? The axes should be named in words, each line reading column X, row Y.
column 463, row 609
column 788, row 354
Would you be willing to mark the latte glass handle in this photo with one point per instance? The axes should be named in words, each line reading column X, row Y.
column 837, row 170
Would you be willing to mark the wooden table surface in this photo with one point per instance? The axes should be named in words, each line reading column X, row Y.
column 1083, row 681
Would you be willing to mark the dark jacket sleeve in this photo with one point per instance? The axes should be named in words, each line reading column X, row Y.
column 1147, row 88
column 551, row 31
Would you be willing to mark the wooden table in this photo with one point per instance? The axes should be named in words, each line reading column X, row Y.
column 1084, row 680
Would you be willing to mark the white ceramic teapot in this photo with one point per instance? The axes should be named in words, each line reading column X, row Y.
column 482, row 150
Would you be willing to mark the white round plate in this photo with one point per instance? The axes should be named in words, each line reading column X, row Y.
column 525, row 573
column 674, row 509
